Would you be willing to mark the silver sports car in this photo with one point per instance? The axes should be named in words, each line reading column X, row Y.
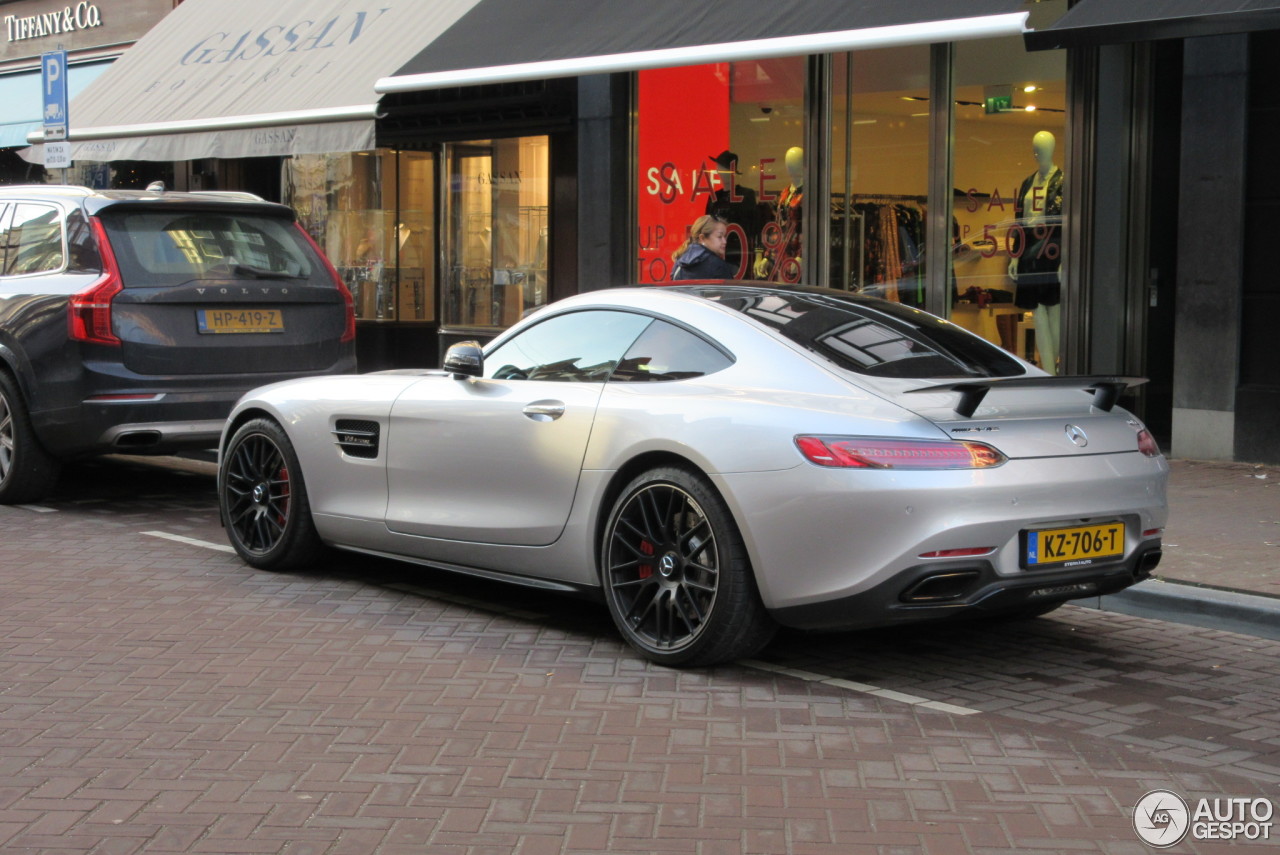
column 713, row 460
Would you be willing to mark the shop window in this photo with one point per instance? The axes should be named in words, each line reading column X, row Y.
column 497, row 232
column 116, row 174
column 880, row 172
column 1010, row 150
column 373, row 213
column 415, row 237
column 340, row 201
column 725, row 140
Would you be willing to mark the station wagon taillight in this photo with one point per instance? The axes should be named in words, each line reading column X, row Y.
column 349, row 330
column 89, row 312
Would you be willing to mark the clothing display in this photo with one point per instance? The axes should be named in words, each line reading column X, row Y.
column 1038, row 244
column 782, row 237
column 886, row 245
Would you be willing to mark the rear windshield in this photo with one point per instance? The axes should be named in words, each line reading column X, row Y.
column 869, row 336
column 174, row 246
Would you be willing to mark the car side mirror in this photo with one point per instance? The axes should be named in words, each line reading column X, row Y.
column 464, row 359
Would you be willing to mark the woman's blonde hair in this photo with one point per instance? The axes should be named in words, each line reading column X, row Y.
column 702, row 227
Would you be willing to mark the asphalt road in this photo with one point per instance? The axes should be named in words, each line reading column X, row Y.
column 156, row 695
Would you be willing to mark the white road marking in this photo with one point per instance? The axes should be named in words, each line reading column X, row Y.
column 190, row 541
column 39, row 509
column 864, row 688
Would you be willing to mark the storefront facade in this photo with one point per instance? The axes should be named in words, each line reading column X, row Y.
column 1030, row 195
column 1036, row 197
column 908, row 173
column 94, row 34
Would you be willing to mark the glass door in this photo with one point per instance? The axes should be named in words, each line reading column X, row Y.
column 497, row 230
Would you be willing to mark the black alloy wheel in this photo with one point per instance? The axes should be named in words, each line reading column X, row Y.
column 263, row 499
column 676, row 576
column 27, row 471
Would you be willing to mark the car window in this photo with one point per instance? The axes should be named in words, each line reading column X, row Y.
column 34, row 240
column 866, row 335
column 82, row 247
column 666, row 352
column 4, row 233
column 176, row 246
column 581, row 347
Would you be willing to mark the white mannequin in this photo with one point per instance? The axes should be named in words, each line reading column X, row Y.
column 1048, row 318
column 794, row 161
column 795, row 167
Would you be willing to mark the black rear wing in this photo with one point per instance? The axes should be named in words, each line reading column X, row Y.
column 1106, row 389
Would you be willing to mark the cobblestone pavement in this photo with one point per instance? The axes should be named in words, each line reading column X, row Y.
column 158, row 696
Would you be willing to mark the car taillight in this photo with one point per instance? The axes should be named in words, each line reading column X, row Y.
column 1147, row 443
column 856, row 452
column 89, row 312
column 349, row 329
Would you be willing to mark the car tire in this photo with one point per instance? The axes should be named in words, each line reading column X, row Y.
column 262, row 497
column 676, row 576
column 27, row 472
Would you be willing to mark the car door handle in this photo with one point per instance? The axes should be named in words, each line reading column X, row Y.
column 544, row 411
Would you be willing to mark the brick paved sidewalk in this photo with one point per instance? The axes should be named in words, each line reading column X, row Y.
column 1224, row 526
column 160, row 697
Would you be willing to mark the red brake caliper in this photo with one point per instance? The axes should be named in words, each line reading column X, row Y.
column 646, row 570
column 283, row 476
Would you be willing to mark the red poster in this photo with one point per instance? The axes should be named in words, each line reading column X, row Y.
column 683, row 123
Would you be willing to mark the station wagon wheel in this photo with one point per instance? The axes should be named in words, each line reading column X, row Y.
column 263, row 499
column 676, row 576
column 27, row 471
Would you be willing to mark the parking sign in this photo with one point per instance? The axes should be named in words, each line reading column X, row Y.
column 53, row 85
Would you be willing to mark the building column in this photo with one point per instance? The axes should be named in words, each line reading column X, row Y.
column 606, row 244
column 1210, row 245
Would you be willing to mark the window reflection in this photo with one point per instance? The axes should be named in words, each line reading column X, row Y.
column 498, row 230
column 1010, row 147
column 736, row 152
column 581, row 347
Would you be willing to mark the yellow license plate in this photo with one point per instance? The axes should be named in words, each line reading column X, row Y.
column 1075, row 546
column 239, row 320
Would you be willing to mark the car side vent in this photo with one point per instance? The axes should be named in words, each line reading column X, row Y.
column 357, row 438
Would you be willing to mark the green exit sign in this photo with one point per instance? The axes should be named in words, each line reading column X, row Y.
column 999, row 103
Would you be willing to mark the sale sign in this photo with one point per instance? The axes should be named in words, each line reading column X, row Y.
column 683, row 122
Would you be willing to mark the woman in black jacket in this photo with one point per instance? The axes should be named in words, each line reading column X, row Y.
column 701, row 256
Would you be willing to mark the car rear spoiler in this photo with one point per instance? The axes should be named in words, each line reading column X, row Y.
column 1106, row 389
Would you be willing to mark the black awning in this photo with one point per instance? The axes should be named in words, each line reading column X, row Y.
column 1095, row 22
column 507, row 40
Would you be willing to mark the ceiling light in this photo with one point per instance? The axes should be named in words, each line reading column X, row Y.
column 1030, row 87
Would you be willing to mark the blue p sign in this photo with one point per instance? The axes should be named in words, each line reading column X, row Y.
column 53, row 79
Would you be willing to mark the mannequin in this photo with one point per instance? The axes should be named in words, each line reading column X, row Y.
column 785, row 263
column 1037, row 270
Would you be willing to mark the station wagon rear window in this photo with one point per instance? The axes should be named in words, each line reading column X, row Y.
column 175, row 246
column 872, row 337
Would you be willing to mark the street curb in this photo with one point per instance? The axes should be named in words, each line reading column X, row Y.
column 1212, row 608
